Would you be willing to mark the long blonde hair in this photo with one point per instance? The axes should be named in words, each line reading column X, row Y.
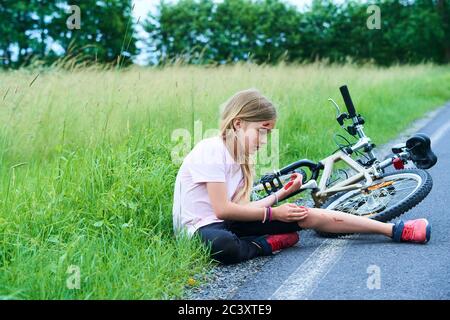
column 251, row 106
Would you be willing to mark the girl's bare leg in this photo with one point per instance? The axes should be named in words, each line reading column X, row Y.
column 339, row 222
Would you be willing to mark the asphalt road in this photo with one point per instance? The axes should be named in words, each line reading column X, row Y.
column 370, row 266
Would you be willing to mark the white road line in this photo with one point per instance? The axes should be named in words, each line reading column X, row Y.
column 439, row 133
column 303, row 281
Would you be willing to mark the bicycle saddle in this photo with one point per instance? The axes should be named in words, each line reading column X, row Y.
column 421, row 154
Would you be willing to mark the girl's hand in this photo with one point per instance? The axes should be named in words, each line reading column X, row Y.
column 295, row 183
column 289, row 212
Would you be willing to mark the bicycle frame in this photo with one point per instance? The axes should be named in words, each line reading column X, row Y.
column 320, row 191
column 318, row 185
column 370, row 171
column 351, row 183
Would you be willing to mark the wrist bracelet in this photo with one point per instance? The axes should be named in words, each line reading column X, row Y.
column 265, row 215
column 270, row 213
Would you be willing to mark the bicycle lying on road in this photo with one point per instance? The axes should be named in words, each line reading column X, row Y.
column 364, row 188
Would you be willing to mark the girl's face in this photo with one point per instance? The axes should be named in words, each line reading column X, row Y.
column 253, row 135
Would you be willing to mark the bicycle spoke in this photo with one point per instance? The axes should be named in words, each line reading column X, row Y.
column 378, row 199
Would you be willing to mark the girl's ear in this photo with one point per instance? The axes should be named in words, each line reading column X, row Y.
column 237, row 124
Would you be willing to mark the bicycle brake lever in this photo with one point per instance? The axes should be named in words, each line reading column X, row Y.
column 338, row 111
column 340, row 116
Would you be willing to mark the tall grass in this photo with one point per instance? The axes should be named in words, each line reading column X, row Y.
column 86, row 174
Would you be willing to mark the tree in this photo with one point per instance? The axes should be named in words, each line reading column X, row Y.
column 202, row 31
column 37, row 30
column 443, row 9
column 23, row 30
column 182, row 29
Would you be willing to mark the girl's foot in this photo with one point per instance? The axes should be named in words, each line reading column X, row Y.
column 273, row 243
column 417, row 231
column 282, row 241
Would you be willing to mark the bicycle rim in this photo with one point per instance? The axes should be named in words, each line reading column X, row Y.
column 385, row 193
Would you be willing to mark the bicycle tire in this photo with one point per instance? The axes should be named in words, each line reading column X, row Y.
column 397, row 209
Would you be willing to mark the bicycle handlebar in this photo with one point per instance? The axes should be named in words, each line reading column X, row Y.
column 348, row 101
column 301, row 163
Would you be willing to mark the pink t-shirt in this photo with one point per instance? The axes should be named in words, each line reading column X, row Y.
column 208, row 161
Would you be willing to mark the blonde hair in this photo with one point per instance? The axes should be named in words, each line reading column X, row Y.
column 251, row 106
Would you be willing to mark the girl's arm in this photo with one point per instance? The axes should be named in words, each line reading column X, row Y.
column 227, row 210
column 270, row 200
column 293, row 185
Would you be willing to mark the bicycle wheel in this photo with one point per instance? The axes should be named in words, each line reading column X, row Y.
column 387, row 198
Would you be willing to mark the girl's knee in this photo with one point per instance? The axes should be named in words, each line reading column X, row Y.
column 225, row 250
column 315, row 218
column 306, row 223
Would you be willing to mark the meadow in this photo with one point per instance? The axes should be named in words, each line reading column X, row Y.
column 86, row 168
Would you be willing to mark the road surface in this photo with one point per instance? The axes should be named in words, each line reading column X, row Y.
column 370, row 266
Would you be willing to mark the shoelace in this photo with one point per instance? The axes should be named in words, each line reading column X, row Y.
column 408, row 232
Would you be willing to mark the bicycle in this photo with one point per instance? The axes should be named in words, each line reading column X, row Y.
column 364, row 188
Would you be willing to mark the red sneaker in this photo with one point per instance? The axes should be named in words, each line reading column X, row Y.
column 418, row 231
column 282, row 241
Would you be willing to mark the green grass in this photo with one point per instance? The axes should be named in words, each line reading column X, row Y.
column 86, row 175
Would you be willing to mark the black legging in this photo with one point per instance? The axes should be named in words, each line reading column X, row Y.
column 237, row 241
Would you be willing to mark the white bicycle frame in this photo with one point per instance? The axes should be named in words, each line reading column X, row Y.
column 320, row 191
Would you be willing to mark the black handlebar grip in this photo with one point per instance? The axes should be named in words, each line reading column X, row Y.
column 348, row 101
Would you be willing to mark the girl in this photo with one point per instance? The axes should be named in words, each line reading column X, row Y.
column 213, row 186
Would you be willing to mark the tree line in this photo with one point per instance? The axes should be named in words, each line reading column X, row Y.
column 36, row 31
column 209, row 32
